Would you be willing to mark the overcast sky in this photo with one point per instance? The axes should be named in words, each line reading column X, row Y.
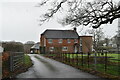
column 19, row 21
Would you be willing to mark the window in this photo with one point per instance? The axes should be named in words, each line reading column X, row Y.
column 64, row 48
column 68, row 40
column 51, row 49
column 80, row 42
column 50, row 41
column 60, row 40
column 80, row 48
column 75, row 41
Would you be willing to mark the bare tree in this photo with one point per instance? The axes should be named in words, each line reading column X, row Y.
column 27, row 46
column 80, row 12
column 98, row 36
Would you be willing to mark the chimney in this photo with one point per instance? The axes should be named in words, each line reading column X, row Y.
column 75, row 29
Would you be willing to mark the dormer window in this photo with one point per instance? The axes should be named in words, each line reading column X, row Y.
column 60, row 41
column 68, row 40
column 50, row 41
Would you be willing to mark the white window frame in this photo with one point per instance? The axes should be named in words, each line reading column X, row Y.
column 80, row 42
column 60, row 40
column 68, row 41
column 75, row 41
column 63, row 48
column 51, row 49
column 50, row 41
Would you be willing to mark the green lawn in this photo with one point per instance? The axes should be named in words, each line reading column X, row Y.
column 115, row 56
column 113, row 70
column 74, row 55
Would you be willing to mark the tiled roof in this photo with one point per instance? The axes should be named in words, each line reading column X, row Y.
column 61, row 34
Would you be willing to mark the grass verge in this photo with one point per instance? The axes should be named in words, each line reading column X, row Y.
column 26, row 65
column 27, row 61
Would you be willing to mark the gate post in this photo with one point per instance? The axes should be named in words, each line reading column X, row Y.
column 1, row 51
column 11, row 62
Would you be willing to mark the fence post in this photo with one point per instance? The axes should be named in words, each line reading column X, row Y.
column 95, row 59
column 69, row 57
column 82, row 58
column 63, row 57
column 66, row 57
column 105, row 61
column 11, row 61
column 73, row 59
column 88, row 58
column 77, row 59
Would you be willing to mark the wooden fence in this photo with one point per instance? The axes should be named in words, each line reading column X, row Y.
column 16, row 60
column 11, row 63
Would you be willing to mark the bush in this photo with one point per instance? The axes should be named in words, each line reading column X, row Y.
column 13, row 46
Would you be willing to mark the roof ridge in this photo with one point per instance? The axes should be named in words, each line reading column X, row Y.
column 58, row 30
column 54, row 30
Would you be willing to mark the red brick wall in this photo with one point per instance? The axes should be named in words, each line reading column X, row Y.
column 60, row 45
column 86, row 44
column 42, row 40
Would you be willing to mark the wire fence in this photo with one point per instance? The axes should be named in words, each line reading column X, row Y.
column 101, row 62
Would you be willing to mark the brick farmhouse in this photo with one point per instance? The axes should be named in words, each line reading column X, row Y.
column 67, row 41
